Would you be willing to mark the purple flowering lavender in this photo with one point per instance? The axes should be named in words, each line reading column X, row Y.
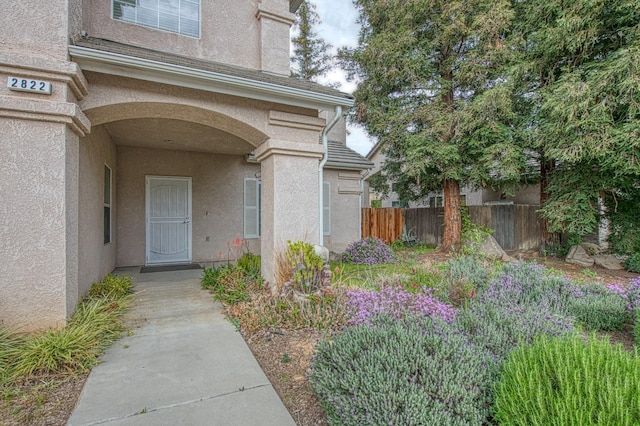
column 629, row 292
column 369, row 251
column 396, row 302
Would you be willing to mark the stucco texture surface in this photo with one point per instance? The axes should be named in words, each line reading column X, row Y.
column 33, row 224
column 95, row 258
column 227, row 27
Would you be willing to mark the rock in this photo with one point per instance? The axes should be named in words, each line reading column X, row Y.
column 323, row 252
column 579, row 256
column 335, row 256
column 591, row 249
column 492, row 250
column 608, row 261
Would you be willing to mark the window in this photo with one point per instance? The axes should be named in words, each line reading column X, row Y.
column 252, row 208
column 176, row 16
column 435, row 201
column 107, row 204
column 402, row 204
column 326, row 209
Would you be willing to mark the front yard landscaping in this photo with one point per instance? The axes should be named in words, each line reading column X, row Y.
column 434, row 339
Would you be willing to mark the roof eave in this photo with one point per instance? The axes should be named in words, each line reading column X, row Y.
column 346, row 166
column 177, row 75
column 294, row 5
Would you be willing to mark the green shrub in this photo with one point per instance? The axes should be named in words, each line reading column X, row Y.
column 250, row 264
column 413, row 372
column 636, row 329
column 472, row 235
column 633, row 262
column 305, row 267
column 598, row 308
column 624, row 221
column 565, row 381
column 112, row 286
column 229, row 283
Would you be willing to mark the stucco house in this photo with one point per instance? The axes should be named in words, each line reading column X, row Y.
column 144, row 132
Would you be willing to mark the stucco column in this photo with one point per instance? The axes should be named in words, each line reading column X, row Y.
column 39, row 141
column 289, row 210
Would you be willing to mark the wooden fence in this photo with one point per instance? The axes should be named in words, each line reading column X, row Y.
column 386, row 224
column 516, row 226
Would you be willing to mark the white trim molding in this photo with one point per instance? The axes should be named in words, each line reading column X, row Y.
column 194, row 78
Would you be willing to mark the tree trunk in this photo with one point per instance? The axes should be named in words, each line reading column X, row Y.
column 452, row 218
column 546, row 167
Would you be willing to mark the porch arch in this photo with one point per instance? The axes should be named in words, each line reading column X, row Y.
column 166, row 110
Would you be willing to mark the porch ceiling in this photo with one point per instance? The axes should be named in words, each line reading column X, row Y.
column 176, row 135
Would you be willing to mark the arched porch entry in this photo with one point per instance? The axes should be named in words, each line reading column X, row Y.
column 163, row 183
column 143, row 135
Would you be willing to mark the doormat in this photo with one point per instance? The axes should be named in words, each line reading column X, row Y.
column 169, row 268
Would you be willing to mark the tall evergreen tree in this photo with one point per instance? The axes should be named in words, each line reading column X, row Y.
column 578, row 82
column 431, row 90
column 311, row 58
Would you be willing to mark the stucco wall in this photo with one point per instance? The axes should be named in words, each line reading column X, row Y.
column 35, row 27
column 230, row 33
column 96, row 259
column 217, row 202
column 33, row 224
column 345, row 209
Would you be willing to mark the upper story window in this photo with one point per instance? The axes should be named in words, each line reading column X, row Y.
column 176, row 16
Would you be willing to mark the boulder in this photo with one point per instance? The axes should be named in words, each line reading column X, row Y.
column 608, row 261
column 591, row 249
column 323, row 252
column 579, row 256
column 492, row 250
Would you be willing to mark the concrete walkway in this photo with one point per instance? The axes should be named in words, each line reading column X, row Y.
column 184, row 364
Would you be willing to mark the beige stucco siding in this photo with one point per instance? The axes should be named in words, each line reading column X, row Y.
column 35, row 27
column 345, row 212
column 96, row 259
column 33, row 223
column 230, row 33
column 217, row 199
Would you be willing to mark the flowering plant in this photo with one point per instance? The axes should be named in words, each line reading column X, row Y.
column 397, row 303
column 368, row 251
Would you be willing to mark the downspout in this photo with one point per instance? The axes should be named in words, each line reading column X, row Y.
column 362, row 177
column 325, row 157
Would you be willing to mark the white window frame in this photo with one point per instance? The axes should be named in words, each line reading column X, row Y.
column 107, row 202
column 252, row 208
column 326, row 209
column 157, row 26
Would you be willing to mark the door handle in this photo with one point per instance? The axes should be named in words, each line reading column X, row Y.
column 186, row 220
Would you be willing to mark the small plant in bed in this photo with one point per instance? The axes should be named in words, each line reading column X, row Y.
column 368, row 251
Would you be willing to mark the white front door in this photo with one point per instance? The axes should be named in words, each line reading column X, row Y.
column 168, row 219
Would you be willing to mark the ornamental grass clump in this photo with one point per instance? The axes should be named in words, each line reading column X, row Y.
column 368, row 251
column 419, row 371
column 397, row 303
column 567, row 381
column 96, row 324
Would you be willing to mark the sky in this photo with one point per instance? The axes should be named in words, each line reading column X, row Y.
column 339, row 28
